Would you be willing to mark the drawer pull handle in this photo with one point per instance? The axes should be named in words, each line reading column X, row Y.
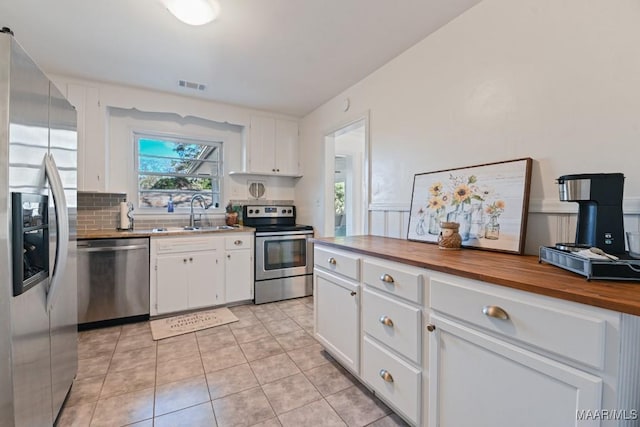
column 431, row 327
column 385, row 320
column 237, row 242
column 386, row 278
column 353, row 293
column 495, row 311
column 332, row 261
column 385, row 375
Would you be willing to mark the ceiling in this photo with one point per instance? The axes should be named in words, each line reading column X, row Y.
column 286, row 56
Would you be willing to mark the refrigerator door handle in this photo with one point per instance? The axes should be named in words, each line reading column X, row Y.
column 62, row 223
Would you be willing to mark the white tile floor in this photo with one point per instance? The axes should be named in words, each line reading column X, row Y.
column 264, row 370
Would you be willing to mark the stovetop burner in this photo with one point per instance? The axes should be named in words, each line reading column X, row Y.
column 275, row 228
column 272, row 219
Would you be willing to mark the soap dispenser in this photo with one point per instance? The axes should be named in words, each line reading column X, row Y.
column 170, row 204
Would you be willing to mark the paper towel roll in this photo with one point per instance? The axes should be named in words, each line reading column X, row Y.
column 124, row 219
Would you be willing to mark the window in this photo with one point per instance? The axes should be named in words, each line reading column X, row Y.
column 174, row 168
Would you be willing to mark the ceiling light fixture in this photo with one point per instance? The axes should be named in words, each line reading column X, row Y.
column 194, row 12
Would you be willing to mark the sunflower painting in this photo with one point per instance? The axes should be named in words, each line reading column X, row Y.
column 489, row 201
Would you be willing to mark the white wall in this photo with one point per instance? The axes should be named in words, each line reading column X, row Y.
column 558, row 81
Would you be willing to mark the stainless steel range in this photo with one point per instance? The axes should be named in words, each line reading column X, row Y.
column 284, row 253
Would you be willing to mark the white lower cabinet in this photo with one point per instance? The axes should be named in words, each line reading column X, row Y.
column 337, row 317
column 478, row 380
column 392, row 378
column 238, row 268
column 200, row 271
column 446, row 351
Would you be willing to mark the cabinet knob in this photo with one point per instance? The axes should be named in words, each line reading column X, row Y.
column 332, row 261
column 190, row 259
column 277, row 170
column 495, row 311
column 354, row 293
column 385, row 375
column 229, row 256
column 385, row 320
column 237, row 242
column 184, row 260
column 273, row 170
column 431, row 327
column 387, row 278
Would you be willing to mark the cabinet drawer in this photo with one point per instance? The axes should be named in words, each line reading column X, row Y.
column 401, row 388
column 397, row 279
column 343, row 263
column 238, row 242
column 560, row 327
column 184, row 244
column 393, row 323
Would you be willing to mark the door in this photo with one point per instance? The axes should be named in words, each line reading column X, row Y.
column 476, row 381
column 205, row 284
column 283, row 254
column 337, row 312
column 64, row 312
column 347, row 180
column 28, row 145
column 238, row 278
column 172, row 275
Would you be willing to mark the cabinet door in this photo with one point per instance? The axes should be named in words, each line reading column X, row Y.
column 286, row 147
column 261, row 145
column 205, row 284
column 172, row 283
column 337, row 318
column 478, row 380
column 238, row 275
column 91, row 139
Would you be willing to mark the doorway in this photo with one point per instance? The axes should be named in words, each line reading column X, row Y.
column 347, row 180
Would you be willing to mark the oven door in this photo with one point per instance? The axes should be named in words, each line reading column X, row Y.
column 283, row 254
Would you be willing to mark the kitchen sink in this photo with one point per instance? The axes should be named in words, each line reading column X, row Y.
column 189, row 228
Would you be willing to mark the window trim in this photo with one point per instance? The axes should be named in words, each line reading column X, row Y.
column 180, row 138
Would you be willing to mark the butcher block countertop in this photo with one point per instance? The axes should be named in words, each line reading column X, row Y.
column 171, row 231
column 522, row 272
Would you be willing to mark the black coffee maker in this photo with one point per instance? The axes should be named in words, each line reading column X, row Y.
column 600, row 220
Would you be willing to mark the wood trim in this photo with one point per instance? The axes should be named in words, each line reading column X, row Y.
column 514, row 271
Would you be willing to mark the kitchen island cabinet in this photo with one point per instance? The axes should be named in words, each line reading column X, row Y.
column 501, row 342
column 337, row 305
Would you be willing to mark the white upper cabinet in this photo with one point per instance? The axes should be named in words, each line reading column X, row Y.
column 91, row 137
column 272, row 147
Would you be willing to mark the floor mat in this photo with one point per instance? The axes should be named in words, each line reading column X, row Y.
column 185, row 323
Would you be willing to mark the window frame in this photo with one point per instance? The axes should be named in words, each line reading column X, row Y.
column 177, row 138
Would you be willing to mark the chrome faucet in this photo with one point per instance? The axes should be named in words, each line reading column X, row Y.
column 203, row 203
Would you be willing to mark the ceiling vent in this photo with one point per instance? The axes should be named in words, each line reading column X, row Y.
column 191, row 85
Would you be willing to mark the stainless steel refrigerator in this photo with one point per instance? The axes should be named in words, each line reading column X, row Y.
column 38, row 193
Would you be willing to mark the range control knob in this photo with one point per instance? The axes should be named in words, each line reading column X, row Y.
column 257, row 211
column 284, row 211
column 250, row 211
column 289, row 211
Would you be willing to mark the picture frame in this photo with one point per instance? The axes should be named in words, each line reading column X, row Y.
column 490, row 202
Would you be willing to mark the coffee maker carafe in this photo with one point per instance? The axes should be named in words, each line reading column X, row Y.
column 600, row 220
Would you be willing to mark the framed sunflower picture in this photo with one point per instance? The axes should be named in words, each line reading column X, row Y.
column 489, row 201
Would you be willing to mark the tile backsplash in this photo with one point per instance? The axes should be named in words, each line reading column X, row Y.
column 101, row 211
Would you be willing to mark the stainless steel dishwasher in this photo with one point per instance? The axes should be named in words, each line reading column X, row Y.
column 113, row 281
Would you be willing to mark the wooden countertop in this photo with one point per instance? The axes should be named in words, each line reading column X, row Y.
column 514, row 271
column 117, row 234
